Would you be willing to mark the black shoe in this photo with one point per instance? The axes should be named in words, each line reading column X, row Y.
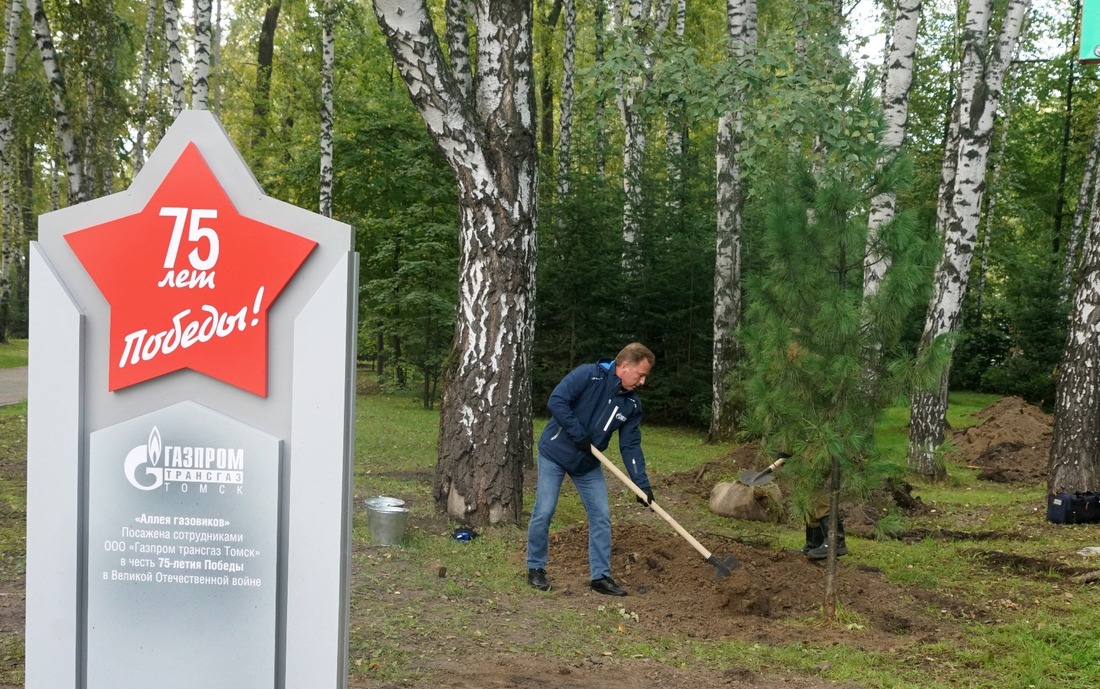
column 607, row 586
column 537, row 578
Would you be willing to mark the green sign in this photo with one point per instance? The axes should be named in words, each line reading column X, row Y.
column 1090, row 32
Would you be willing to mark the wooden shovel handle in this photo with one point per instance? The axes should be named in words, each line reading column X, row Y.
column 773, row 466
column 621, row 475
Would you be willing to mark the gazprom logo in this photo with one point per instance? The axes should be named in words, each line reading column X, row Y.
column 141, row 465
column 154, row 464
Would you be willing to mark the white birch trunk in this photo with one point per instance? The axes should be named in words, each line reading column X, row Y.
column 328, row 60
column 674, row 129
column 143, row 86
column 741, row 48
column 66, row 137
column 565, row 117
column 1075, row 446
column 485, row 419
column 634, row 130
column 12, row 20
column 1073, row 241
column 175, row 58
column 979, row 95
column 897, row 83
column 458, row 45
column 200, row 85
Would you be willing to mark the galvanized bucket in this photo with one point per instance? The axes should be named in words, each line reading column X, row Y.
column 387, row 523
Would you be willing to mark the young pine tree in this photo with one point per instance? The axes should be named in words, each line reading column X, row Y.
column 810, row 336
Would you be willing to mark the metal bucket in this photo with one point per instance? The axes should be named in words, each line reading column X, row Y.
column 384, row 501
column 387, row 523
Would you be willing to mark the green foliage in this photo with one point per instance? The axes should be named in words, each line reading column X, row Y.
column 811, row 336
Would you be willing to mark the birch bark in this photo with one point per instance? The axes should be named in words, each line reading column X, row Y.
column 200, row 86
column 13, row 18
column 175, row 57
column 485, row 419
column 897, row 83
column 1073, row 241
column 1075, row 446
column 143, row 86
column 565, row 117
column 630, row 91
column 328, row 59
column 66, row 136
column 741, row 48
column 980, row 88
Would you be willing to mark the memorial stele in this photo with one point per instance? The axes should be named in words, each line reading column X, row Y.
column 190, row 432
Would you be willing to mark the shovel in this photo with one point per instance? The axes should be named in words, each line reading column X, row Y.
column 760, row 478
column 722, row 564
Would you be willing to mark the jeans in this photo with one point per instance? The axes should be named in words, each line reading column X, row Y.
column 592, row 488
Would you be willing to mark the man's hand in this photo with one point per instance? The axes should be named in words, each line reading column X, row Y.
column 648, row 497
column 584, row 444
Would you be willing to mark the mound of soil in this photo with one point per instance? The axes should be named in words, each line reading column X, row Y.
column 1010, row 445
column 674, row 589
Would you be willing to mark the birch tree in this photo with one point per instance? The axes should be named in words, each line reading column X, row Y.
column 741, row 47
column 328, row 59
column 175, row 56
column 489, row 142
column 143, row 86
column 565, row 117
column 896, row 84
column 1075, row 446
column 981, row 81
column 66, row 135
column 200, row 85
column 641, row 31
column 13, row 19
column 1073, row 241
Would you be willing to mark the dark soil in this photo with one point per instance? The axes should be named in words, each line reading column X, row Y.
column 1010, row 445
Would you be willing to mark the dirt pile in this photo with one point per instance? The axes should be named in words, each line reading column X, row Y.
column 674, row 589
column 1010, row 445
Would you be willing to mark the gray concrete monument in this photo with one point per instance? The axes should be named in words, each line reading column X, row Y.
column 190, row 433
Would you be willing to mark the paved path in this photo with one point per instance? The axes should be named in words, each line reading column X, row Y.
column 13, row 385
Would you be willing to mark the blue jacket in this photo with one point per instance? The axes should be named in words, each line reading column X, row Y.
column 590, row 402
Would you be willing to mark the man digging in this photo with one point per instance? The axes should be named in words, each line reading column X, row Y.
column 586, row 407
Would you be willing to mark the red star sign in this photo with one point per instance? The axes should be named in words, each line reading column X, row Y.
column 189, row 281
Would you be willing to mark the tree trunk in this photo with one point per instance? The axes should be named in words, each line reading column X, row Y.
column 458, row 45
column 741, row 48
column 265, row 57
column 565, row 118
column 200, row 86
column 1073, row 241
column 13, row 18
column 897, row 83
column 66, row 137
column 485, row 419
column 546, row 86
column 143, row 86
column 1075, row 446
column 175, row 58
column 328, row 58
column 676, row 135
column 979, row 95
column 634, row 131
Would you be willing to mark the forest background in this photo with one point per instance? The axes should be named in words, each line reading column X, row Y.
column 628, row 195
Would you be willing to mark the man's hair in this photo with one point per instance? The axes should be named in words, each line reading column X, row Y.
column 634, row 353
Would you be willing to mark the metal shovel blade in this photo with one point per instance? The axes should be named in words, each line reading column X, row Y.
column 760, row 478
column 723, row 565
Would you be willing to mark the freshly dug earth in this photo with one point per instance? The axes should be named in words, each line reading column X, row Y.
column 1010, row 445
